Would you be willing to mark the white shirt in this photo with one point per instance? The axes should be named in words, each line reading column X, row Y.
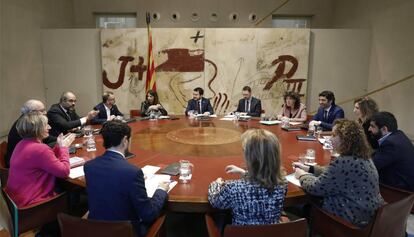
column 108, row 112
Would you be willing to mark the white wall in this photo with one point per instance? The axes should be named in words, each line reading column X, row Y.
column 391, row 51
column 22, row 67
column 72, row 61
column 339, row 61
column 320, row 9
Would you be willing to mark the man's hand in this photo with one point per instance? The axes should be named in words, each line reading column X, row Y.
column 92, row 114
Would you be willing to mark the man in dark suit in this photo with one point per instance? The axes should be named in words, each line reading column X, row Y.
column 107, row 109
column 250, row 105
column 394, row 158
column 63, row 118
column 328, row 111
column 30, row 106
column 116, row 188
column 199, row 104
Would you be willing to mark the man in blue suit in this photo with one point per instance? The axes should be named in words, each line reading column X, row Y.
column 107, row 109
column 116, row 189
column 394, row 158
column 199, row 104
column 250, row 105
column 328, row 111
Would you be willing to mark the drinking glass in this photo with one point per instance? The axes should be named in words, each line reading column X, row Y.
column 318, row 131
column 285, row 122
column 91, row 144
column 310, row 157
column 185, row 171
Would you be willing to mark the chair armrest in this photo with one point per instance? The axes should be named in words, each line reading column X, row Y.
column 211, row 226
column 155, row 227
column 41, row 213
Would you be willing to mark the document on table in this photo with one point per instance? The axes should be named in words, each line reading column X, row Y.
column 75, row 161
column 273, row 122
column 295, row 123
column 149, row 170
column 152, row 182
column 76, row 172
column 291, row 178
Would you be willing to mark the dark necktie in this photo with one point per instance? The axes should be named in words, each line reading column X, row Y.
column 247, row 106
column 325, row 115
column 200, row 110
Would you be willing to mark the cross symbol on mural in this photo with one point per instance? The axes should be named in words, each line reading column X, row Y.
column 197, row 36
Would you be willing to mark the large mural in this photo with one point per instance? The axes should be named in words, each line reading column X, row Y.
column 222, row 61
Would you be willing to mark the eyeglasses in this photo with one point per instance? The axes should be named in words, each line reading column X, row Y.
column 71, row 101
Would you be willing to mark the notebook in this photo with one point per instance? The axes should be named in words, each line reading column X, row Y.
column 305, row 138
column 290, row 129
column 172, row 169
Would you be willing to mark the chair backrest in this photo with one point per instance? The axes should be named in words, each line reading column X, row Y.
column 391, row 219
column 391, row 194
column 3, row 150
column 296, row 228
column 135, row 113
column 6, row 219
column 4, row 175
column 75, row 226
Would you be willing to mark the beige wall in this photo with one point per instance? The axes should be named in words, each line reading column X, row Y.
column 22, row 67
column 320, row 9
column 391, row 51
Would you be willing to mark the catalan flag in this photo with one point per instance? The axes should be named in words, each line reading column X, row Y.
column 150, row 82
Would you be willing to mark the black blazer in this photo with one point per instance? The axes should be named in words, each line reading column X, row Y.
column 335, row 112
column 194, row 105
column 116, row 191
column 394, row 160
column 13, row 138
column 146, row 112
column 60, row 121
column 255, row 107
column 101, row 116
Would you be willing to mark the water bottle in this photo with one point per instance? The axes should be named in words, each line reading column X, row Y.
column 91, row 144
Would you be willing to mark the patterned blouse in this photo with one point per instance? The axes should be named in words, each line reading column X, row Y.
column 349, row 187
column 250, row 203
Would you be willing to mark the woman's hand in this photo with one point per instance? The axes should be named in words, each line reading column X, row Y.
column 300, row 166
column 65, row 141
column 232, row 169
column 299, row 172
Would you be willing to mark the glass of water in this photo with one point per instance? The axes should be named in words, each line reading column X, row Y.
column 318, row 131
column 310, row 157
column 91, row 144
column 185, row 171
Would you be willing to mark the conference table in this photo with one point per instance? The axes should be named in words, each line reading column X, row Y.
column 210, row 145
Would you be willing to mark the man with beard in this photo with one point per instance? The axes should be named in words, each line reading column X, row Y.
column 328, row 111
column 116, row 188
column 394, row 158
column 249, row 104
column 63, row 118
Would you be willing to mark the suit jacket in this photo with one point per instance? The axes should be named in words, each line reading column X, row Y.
column 60, row 121
column 335, row 112
column 255, row 107
column 116, row 191
column 394, row 160
column 101, row 117
column 13, row 138
column 194, row 105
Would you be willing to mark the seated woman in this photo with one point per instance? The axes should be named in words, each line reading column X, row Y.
column 364, row 108
column 292, row 108
column 258, row 196
column 152, row 104
column 349, row 185
column 34, row 166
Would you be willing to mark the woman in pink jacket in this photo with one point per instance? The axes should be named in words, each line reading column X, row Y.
column 34, row 166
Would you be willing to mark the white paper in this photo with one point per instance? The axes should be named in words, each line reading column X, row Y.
column 76, row 161
column 230, row 116
column 295, row 123
column 164, row 117
column 321, row 140
column 149, row 170
column 213, row 115
column 76, row 172
column 291, row 178
column 270, row 122
column 152, row 182
column 227, row 118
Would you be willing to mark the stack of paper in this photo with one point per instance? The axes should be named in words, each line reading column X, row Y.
column 152, row 180
column 76, row 172
column 76, row 161
column 291, row 178
column 273, row 122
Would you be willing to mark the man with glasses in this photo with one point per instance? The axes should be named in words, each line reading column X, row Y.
column 63, row 117
column 108, row 110
column 30, row 106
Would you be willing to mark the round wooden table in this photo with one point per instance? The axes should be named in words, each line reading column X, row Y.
column 209, row 145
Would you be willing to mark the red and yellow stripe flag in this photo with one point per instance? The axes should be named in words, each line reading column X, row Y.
column 150, row 82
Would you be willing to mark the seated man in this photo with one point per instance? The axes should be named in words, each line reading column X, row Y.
column 199, row 104
column 328, row 112
column 63, row 118
column 116, row 188
column 13, row 138
column 252, row 106
column 107, row 109
column 394, row 158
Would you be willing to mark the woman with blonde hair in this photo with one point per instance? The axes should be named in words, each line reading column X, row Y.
column 349, row 185
column 257, row 197
column 364, row 108
column 34, row 166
